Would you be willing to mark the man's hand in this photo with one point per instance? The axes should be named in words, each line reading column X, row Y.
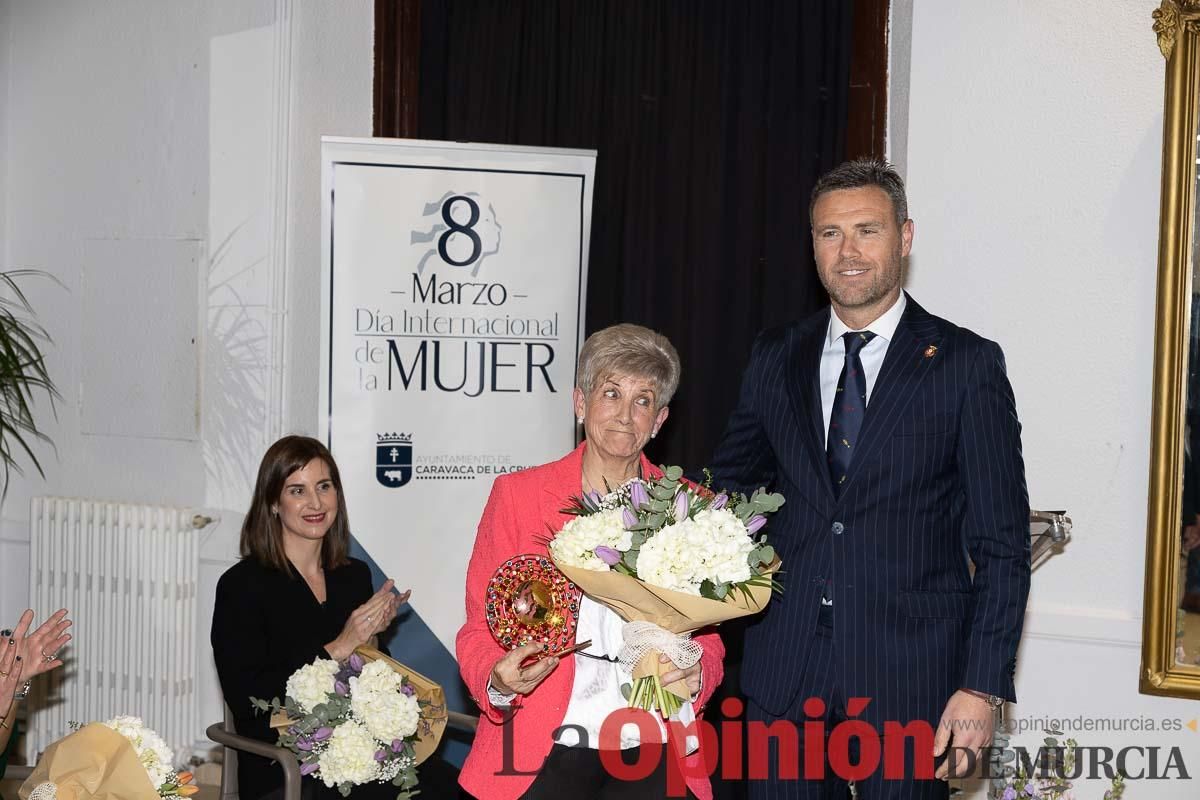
column 968, row 722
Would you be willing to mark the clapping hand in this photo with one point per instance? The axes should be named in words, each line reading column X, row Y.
column 25, row 655
column 10, row 672
column 39, row 650
column 368, row 620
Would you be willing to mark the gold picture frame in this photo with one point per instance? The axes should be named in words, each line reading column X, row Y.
column 1177, row 25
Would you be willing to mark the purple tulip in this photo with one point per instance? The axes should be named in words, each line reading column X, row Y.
column 681, row 506
column 309, row 768
column 380, row 755
column 356, row 662
column 397, row 745
column 321, row 734
column 304, row 743
column 340, row 689
column 756, row 522
column 594, row 496
column 719, row 502
column 628, row 518
column 637, row 495
column 408, row 690
column 607, row 555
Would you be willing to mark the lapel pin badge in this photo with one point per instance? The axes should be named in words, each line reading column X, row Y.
column 931, row 351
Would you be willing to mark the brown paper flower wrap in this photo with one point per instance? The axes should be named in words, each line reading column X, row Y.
column 677, row 612
column 93, row 763
column 433, row 705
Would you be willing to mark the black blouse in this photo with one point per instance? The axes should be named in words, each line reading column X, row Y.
column 266, row 625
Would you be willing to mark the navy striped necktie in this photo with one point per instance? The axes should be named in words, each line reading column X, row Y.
column 849, row 407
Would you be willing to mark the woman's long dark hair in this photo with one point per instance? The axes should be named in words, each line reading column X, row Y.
column 262, row 532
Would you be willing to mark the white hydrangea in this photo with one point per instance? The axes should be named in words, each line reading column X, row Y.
column 575, row 544
column 377, row 701
column 349, row 756
column 152, row 751
column 310, row 685
column 712, row 545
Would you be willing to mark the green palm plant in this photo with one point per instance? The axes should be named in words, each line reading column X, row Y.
column 23, row 375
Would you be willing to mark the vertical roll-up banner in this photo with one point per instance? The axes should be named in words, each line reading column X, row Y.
column 453, row 287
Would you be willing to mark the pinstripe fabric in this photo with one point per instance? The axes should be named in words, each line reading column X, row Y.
column 819, row 674
column 938, row 477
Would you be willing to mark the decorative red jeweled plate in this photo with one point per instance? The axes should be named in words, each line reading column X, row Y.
column 529, row 600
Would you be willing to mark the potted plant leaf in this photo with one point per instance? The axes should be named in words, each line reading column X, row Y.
column 23, row 374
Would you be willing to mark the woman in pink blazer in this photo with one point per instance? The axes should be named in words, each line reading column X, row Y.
column 537, row 737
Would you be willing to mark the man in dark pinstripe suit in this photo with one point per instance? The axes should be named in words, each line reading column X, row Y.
column 894, row 436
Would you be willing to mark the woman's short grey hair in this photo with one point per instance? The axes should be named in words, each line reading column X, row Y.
column 632, row 350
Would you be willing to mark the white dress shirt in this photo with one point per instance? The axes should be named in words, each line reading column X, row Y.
column 833, row 359
column 596, row 692
column 833, row 355
column 596, row 689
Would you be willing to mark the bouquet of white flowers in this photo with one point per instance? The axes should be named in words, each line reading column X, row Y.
column 366, row 720
column 118, row 758
column 155, row 756
column 669, row 557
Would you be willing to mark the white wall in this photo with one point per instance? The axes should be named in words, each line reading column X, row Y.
column 161, row 161
column 136, row 137
column 1030, row 133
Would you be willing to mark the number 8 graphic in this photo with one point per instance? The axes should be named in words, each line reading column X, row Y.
column 454, row 227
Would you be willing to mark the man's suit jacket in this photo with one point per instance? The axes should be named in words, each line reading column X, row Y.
column 937, row 478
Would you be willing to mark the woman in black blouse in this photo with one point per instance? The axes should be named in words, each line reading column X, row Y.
column 295, row 596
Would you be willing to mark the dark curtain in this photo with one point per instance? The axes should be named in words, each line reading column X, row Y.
column 712, row 120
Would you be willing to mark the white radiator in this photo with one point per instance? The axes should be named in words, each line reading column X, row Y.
column 128, row 574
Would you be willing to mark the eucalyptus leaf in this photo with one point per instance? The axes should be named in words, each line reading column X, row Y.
column 661, row 492
column 763, row 554
column 673, row 473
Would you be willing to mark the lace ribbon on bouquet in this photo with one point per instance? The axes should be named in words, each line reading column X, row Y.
column 641, row 638
column 44, row 791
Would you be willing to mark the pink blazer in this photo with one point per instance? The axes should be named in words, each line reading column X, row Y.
column 520, row 513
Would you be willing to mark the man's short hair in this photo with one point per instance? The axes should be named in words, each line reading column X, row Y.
column 859, row 173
